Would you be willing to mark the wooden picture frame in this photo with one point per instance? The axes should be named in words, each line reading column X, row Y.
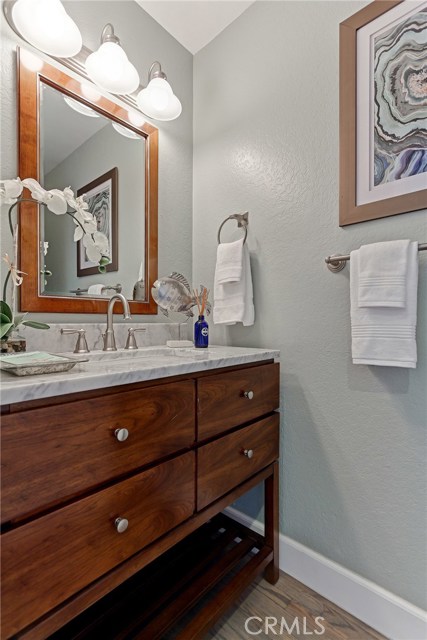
column 106, row 184
column 351, row 211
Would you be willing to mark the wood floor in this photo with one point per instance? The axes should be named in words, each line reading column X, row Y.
column 289, row 599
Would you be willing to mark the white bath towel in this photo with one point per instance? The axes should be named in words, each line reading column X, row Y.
column 229, row 261
column 233, row 301
column 382, row 274
column 385, row 335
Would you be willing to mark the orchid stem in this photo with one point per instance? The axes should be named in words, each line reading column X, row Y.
column 69, row 213
column 6, row 282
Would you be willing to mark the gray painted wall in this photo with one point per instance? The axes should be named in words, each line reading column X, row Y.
column 353, row 473
column 144, row 41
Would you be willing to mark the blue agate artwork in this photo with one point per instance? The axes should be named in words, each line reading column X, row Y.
column 400, row 93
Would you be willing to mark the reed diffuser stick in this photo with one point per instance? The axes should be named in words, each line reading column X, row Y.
column 196, row 295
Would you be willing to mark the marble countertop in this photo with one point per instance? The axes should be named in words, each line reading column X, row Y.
column 109, row 370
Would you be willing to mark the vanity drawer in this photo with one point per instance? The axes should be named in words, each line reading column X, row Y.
column 54, row 453
column 222, row 403
column 47, row 560
column 223, row 464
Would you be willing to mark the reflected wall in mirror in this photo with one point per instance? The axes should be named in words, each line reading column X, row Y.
column 71, row 136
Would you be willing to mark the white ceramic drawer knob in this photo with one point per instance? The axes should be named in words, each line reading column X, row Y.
column 248, row 453
column 248, row 394
column 121, row 434
column 121, row 524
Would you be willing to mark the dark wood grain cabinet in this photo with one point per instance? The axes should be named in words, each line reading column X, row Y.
column 97, row 489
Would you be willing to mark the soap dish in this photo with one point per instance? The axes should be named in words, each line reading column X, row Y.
column 37, row 362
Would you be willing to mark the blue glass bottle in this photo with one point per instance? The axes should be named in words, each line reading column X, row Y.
column 201, row 333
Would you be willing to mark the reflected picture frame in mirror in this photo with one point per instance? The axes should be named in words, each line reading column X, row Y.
column 29, row 83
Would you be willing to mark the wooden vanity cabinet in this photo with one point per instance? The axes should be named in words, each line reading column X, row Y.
column 97, row 486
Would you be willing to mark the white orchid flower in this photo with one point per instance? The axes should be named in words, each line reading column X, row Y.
column 92, row 250
column 78, row 204
column 97, row 246
column 101, row 241
column 78, row 233
column 86, row 220
column 10, row 190
column 90, row 226
column 69, row 196
column 37, row 191
column 56, row 202
column 81, row 202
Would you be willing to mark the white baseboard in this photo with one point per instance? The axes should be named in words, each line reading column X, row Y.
column 382, row 610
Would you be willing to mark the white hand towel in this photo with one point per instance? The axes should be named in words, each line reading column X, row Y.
column 95, row 290
column 385, row 336
column 233, row 301
column 229, row 261
column 382, row 274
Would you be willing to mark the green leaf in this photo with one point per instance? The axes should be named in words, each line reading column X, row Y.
column 5, row 329
column 19, row 318
column 6, row 310
column 104, row 261
column 35, row 325
column 4, row 319
column 102, row 269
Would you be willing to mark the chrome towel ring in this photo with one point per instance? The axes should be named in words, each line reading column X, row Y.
column 242, row 221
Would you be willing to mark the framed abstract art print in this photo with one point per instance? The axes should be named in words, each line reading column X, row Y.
column 101, row 196
column 383, row 111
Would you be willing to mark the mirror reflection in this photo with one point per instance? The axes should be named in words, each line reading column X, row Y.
column 96, row 156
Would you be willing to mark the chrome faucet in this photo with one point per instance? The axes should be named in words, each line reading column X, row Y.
column 109, row 339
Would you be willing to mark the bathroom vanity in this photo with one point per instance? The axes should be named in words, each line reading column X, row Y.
column 114, row 480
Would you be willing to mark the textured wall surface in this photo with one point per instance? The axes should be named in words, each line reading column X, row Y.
column 353, row 472
column 144, row 41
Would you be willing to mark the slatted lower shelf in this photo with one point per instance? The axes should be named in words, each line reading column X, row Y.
column 151, row 604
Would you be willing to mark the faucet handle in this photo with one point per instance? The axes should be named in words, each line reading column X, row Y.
column 81, row 344
column 131, row 340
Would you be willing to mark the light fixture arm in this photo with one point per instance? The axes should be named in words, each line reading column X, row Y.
column 156, row 72
column 108, row 34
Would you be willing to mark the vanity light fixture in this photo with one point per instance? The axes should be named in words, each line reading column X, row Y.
column 109, row 67
column 80, row 107
column 47, row 26
column 157, row 100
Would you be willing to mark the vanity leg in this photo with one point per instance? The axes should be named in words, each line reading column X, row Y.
column 271, row 500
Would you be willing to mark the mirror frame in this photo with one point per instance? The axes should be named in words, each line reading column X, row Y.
column 29, row 167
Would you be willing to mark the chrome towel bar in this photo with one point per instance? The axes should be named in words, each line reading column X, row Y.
column 337, row 263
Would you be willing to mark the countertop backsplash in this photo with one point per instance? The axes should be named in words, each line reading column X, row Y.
column 52, row 340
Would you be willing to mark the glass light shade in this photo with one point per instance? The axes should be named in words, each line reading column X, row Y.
column 158, row 101
column 136, row 118
column 160, row 93
column 80, row 107
column 128, row 133
column 46, row 25
column 89, row 91
column 111, row 70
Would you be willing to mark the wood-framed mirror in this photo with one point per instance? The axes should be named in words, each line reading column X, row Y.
column 70, row 135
